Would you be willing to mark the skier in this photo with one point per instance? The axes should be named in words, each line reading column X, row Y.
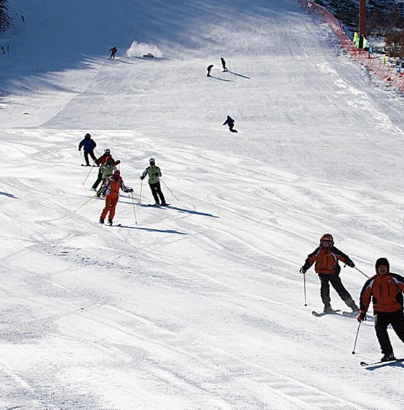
column 102, row 160
column 209, row 69
column 113, row 51
column 326, row 257
column 111, row 192
column 88, row 144
column 386, row 289
column 230, row 122
column 106, row 171
column 224, row 65
column 154, row 173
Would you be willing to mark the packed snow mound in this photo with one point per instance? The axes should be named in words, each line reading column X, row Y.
column 141, row 49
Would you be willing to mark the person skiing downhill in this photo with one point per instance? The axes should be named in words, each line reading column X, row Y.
column 326, row 258
column 230, row 122
column 386, row 290
column 106, row 171
column 88, row 145
column 113, row 51
column 223, row 64
column 154, row 173
column 209, row 69
column 102, row 160
column 111, row 189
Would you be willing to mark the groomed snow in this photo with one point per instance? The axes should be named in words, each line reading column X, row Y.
column 199, row 306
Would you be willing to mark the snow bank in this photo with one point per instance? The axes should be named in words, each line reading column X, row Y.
column 139, row 49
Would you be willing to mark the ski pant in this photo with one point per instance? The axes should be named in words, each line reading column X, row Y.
column 91, row 153
column 110, row 205
column 99, row 179
column 99, row 192
column 336, row 283
column 382, row 321
column 231, row 128
column 156, row 191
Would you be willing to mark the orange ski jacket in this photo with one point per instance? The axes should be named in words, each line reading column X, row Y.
column 326, row 260
column 386, row 292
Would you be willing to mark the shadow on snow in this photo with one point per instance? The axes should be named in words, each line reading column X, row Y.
column 8, row 195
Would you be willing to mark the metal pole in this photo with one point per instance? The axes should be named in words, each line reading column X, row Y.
column 356, row 338
column 361, row 272
column 89, row 172
column 170, row 190
column 134, row 208
column 88, row 200
column 140, row 195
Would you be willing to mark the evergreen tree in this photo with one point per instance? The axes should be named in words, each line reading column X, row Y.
column 4, row 17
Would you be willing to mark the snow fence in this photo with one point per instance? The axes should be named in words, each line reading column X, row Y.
column 374, row 63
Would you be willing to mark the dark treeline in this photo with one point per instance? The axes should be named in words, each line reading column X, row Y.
column 4, row 17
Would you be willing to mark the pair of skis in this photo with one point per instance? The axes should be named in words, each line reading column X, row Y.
column 369, row 365
column 380, row 363
column 337, row 312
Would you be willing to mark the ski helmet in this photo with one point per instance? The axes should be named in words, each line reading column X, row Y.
column 117, row 172
column 107, row 151
column 152, row 160
column 87, row 135
column 327, row 238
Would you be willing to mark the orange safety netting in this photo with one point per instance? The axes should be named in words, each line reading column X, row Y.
column 374, row 64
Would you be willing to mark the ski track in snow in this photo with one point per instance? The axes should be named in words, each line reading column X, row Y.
column 200, row 305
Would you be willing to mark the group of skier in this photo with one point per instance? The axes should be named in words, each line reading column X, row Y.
column 385, row 289
column 109, row 176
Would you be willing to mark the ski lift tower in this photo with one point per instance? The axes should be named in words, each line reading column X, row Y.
column 362, row 22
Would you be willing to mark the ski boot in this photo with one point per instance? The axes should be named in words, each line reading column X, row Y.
column 352, row 305
column 327, row 308
column 110, row 222
column 388, row 357
column 101, row 221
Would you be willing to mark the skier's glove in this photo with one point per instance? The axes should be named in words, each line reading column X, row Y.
column 129, row 190
column 303, row 270
column 117, row 162
column 361, row 317
column 141, row 178
column 350, row 264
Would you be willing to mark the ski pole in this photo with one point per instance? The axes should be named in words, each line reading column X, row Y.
column 140, row 195
column 356, row 338
column 88, row 200
column 304, row 282
column 89, row 172
column 170, row 190
column 361, row 272
column 134, row 208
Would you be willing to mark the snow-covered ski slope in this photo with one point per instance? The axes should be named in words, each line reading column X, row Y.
column 198, row 306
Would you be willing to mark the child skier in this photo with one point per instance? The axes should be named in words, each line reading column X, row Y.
column 386, row 289
column 111, row 190
column 88, row 145
column 154, row 173
column 230, row 122
column 326, row 257
column 209, row 69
